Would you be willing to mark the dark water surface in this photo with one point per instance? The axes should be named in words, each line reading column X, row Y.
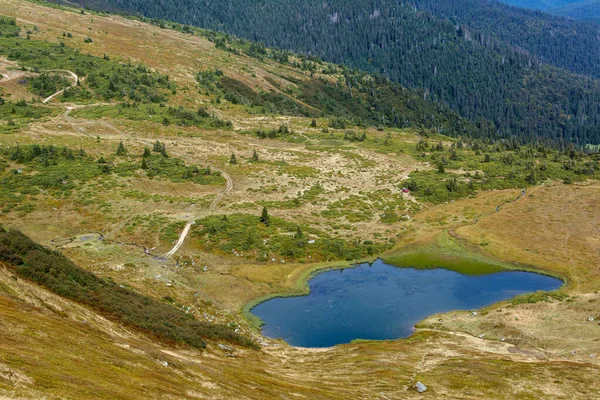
column 384, row 302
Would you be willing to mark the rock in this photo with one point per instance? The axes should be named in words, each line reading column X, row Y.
column 420, row 387
column 591, row 319
column 473, row 312
column 481, row 336
column 226, row 348
column 164, row 363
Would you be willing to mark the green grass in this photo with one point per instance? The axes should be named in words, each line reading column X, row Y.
column 159, row 114
column 476, row 167
column 14, row 116
column 245, row 235
column 445, row 253
column 59, row 172
column 107, row 79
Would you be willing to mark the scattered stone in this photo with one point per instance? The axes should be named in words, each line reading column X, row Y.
column 405, row 217
column 591, row 319
column 205, row 268
column 474, row 313
column 164, row 363
column 420, row 387
column 481, row 336
column 224, row 347
column 503, row 339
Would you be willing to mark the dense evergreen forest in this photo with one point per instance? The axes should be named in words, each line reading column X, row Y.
column 585, row 10
column 487, row 61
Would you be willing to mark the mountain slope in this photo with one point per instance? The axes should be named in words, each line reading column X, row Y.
column 485, row 75
column 586, row 10
column 173, row 130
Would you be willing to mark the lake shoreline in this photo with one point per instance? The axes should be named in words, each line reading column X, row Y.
column 445, row 253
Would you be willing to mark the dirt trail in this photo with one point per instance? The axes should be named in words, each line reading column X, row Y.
column 189, row 224
column 229, row 184
column 228, row 189
column 184, row 234
column 452, row 231
column 75, row 79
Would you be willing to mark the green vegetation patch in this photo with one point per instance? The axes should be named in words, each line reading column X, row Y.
column 445, row 253
column 46, row 84
column 363, row 207
column 463, row 169
column 14, row 116
column 159, row 114
column 108, row 79
column 56, row 171
column 244, row 235
column 57, row 273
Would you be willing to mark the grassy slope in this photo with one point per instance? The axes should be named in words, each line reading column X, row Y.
column 446, row 355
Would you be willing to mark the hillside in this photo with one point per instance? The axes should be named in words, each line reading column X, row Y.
column 483, row 59
column 588, row 10
column 159, row 180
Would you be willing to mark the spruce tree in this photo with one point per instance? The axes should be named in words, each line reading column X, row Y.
column 233, row 159
column 163, row 151
column 121, row 150
column 254, row 156
column 264, row 217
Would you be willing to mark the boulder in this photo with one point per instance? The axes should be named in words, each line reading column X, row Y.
column 420, row 387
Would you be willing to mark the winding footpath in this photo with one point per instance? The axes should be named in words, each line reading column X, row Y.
column 75, row 79
column 213, row 205
column 452, row 231
column 72, row 121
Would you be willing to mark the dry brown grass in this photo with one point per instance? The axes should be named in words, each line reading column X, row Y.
column 555, row 227
column 98, row 359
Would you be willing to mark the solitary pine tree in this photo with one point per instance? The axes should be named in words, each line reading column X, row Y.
column 264, row 217
column 440, row 167
column 233, row 159
column 121, row 150
column 144, row 165
column 146, row 152
column 313, row 123
column 254, row 156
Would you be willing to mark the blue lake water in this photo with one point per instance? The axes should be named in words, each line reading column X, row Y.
column 381, row 301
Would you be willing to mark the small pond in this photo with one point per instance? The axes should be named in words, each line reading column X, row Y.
column 381, row 301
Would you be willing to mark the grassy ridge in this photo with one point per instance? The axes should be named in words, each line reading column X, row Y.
column 58, row 274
